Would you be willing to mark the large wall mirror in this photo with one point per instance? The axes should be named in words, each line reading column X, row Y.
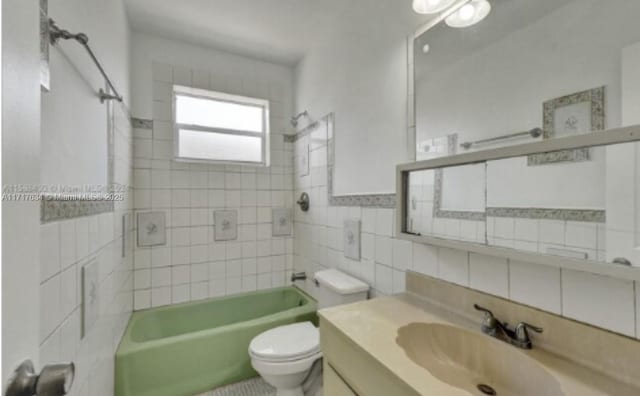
column 532, row 72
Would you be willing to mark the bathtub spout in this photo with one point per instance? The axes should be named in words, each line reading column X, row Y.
column 298, row 276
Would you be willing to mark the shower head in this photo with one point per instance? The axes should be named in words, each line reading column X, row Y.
column 294, row 119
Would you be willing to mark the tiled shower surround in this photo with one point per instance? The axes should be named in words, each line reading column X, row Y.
column 192, row 265
column 68, row 245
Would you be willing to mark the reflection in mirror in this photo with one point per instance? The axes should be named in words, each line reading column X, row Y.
column 583, row 210
column 531, row 70
column 448, row 203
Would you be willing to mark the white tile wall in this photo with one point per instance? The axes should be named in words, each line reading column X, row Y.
column 192, row 265
column 453, row 266
column 425, row 259
column 66, row 247
column 535, row 285
column 540, row 235
column 489, row 274
column 600, row 300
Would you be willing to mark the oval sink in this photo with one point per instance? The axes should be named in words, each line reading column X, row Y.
column 475, row 362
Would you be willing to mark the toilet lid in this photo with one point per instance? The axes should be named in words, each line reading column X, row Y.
column 290, row 342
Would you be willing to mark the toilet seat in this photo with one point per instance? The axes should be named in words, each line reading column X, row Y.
column 288, row 343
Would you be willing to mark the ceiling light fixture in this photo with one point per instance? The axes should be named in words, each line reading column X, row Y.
column 469, row 14
column 431, row 6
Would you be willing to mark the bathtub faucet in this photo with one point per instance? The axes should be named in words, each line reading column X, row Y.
column 298, row 276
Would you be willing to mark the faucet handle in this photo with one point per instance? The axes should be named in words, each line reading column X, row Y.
column 489, row 324
column 522, row 334
column 488, row 314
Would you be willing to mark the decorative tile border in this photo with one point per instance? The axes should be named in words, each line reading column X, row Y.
column 54, row 209
column 577, row 155
column 450, row 214
column 596, row 98
column 111, row 132
column 583, row 215
column 45, row 40
column 452, row 149
column 364, row 200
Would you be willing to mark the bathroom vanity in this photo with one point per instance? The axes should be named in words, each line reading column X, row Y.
column 412, row 345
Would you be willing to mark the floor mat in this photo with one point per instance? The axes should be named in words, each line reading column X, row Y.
column 252, row 387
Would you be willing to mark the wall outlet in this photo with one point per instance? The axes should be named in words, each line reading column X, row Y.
column 226, row 225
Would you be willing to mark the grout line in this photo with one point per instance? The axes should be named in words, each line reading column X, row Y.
column 562, row 313
column 509, row 279
column 635, row 308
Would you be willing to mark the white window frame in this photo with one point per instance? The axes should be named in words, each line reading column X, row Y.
column 180, row 90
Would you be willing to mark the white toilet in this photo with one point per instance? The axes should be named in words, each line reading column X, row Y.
column 284, row 356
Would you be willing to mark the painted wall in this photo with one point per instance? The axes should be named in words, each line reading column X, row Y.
column 359, row 72
column 192, row 265
column 20, row 165
column 75, row 132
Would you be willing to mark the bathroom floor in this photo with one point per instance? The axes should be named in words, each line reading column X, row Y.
column 252, row 387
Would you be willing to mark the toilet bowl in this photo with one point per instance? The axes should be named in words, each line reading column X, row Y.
column 285, row 355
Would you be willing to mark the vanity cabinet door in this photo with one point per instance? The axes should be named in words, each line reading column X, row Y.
column 333, row 384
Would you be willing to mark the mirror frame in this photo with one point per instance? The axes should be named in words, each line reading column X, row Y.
column 598, row 138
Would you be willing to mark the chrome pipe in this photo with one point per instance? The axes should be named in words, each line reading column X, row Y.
column 56, row 33
column 534, row 133
column 295, row 118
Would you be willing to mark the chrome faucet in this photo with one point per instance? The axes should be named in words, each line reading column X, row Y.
column 518, row 337
column 296, row 276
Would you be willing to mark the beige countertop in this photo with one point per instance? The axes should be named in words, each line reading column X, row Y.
column 373, row 326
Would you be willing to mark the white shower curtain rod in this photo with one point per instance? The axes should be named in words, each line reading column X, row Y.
column 56, row 33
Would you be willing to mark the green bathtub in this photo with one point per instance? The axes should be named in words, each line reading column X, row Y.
column 186, row 349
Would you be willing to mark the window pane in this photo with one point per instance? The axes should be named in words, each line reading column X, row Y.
column 219, row 146
column 218, row 114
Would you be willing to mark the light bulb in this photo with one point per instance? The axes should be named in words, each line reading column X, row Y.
column 431, row 6
column 466, row 12
column 469, row 14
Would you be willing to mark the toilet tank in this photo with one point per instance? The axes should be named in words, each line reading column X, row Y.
column 335, row 288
